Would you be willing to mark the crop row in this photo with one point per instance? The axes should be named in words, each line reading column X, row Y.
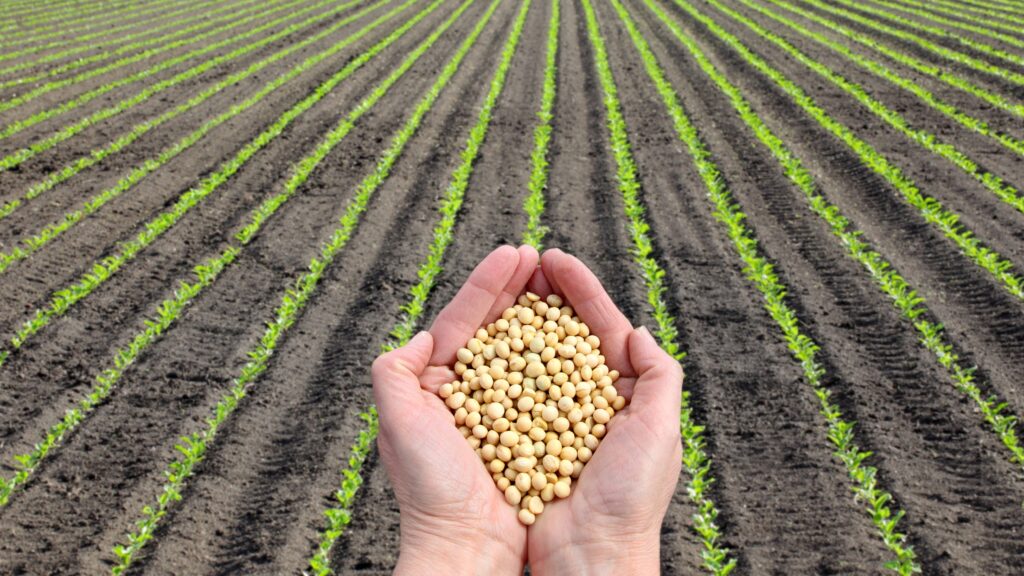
column 208, row 271
column 194, row 447
column 931, row 209
column 949, row 54
column 954, row 9
column 696, row 461
column 761, row 272
column 32, row 243
column 909, row 303
column 943, row 33
column 534, row 203
column 996, row 6
column 928, row 140
column 903, row 296
column 105, row 35
column 90, row 95
column 63, row 21
column 937, row 72
column 96, row 156
column 339, row 514
column 879, row 69
column 205, row 14
column 101, row 271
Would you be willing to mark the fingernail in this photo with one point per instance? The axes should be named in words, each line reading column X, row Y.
column 645, row 333
column 418, row 338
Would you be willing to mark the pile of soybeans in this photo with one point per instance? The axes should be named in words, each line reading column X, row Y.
column 533, row 399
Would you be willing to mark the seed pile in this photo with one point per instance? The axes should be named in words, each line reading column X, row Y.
column 533, row 399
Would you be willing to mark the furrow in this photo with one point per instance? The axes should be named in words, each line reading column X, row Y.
column 886, row 344
column 880, row 70
column 28, row 245
column 761, row 272
column 131, row 178
column 338, row 513
column 928, row 140
column 171, row 19
column 102, row 270
column 1001, row 269
column 925, row 44
column 208, row 271
column 13, row 159
column 938, row 72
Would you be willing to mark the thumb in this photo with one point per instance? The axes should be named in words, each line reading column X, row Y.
column 659, row 381
column 396, row 374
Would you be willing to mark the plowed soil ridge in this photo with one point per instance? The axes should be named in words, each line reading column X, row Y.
column 255, row 503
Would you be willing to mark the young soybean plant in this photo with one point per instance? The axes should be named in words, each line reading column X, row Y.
column 696, row 461
column 62, row 300
column 209, row 271
column 193, row 447
column 534, row 203
column 930, row 209
column 879, row 69
column 941, row 74
column 339, row 515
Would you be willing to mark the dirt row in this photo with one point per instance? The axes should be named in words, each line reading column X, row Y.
column 989, row 81
column 54, row 203
column 136, row 290
column 786, row 506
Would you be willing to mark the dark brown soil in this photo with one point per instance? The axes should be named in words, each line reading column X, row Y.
column 255, row 503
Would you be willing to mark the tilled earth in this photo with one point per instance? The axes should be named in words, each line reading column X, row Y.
column 255, row 503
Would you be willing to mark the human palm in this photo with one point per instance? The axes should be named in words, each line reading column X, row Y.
column 449, row 504
column 622, row 494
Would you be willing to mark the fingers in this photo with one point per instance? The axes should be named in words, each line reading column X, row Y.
column 434, row 376
column 528, row 260
column 571, row 278
column 538, row 283
column 659, row 384
column 396, row 375
column 464, row 314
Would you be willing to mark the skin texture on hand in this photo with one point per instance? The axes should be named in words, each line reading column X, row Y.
column 453, row 517
column 611, row 522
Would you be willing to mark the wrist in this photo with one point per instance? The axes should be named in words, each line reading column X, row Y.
column 639, row 557
column 455, row 554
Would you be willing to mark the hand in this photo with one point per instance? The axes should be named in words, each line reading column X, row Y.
column 611, row 522
column 453, row 518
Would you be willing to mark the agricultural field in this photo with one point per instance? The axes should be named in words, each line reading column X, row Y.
column 214, row 215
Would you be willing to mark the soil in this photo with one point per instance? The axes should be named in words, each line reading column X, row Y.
column 254, row 505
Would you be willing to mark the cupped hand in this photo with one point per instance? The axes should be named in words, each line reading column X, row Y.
column 453, row 518
column 611, row 522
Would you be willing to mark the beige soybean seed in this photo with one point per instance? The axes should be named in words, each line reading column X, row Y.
column 550, row 461
column 513, row 496
column 553, row 447
column 495, row 410
column 548, row 493
column 525, row 315
column 526, row 517
column 509, row 438
column 562, row 489
column 564, row 468
column 532, row 397
column 561, row 424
